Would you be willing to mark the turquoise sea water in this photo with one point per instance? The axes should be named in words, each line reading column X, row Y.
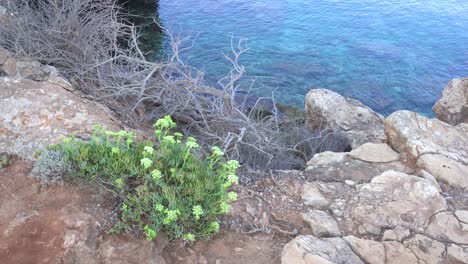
column 389, row 54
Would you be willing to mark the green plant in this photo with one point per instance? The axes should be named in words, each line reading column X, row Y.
column 163, row 186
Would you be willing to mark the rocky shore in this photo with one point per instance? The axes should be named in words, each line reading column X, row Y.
column 399, row 196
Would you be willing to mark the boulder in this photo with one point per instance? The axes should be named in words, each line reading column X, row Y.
column 370, row 251
column 4, row 54
column 313, row 250
column 395, row 199
column 357, row 122
column 37, row 114
column 453, row 106
column 414, row 135
column 321, row 223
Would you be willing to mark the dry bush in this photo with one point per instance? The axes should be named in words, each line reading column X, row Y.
column 92, row 44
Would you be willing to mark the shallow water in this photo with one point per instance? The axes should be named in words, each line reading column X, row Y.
column 389, row 54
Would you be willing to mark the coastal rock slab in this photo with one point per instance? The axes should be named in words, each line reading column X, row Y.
column 37, row 114
column 395, row 199
column 453, row 106
column 414, row 135
column 375, row 152
column 313, row 250
column 357, row 122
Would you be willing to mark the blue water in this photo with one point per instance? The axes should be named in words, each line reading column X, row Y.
column 391, row 55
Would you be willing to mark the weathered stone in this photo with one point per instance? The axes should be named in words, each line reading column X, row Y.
column 427, row 250
column 37, row 114
column 396, row 253
column 396, row 199
column 127, row 249
column 453, row 106
column 397, row 234
column 445, row 226
column 458, row 253
column 424, row 174
column 462, row 215
column 415, row 135
column 321, row 223
column 312, row 250
column 357, row 122
column 370, row 251
column 375, row 152
column 312, row 196
column 445, row 169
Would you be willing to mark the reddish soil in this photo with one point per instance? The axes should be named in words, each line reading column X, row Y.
column 32, row 225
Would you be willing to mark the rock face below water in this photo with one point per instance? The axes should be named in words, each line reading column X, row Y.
column 453, row 106
column 356, row 121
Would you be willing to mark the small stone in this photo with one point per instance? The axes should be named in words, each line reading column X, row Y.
column 238, row 250
column 327, row 158
column 350, row 182
column 398, row 234
column 312, row 195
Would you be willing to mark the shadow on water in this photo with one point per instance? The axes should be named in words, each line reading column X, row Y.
column 142, row 13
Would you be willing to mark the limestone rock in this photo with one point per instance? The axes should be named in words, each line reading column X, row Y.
column 312, row 250
column 321, row 223
column 375, row 152
column 36, row 114
column 445, row 169
column 396, row 199
column 458, row 253
column 414, row 135
column 357, row 122
column 370, row 251
column 428, row 251
column 453, row 106
column 312, row 196
column 445, row 226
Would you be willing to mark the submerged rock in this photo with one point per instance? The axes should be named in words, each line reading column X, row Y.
column 357, row 122
column 453, row 106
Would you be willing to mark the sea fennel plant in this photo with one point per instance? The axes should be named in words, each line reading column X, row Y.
column 163, row 186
